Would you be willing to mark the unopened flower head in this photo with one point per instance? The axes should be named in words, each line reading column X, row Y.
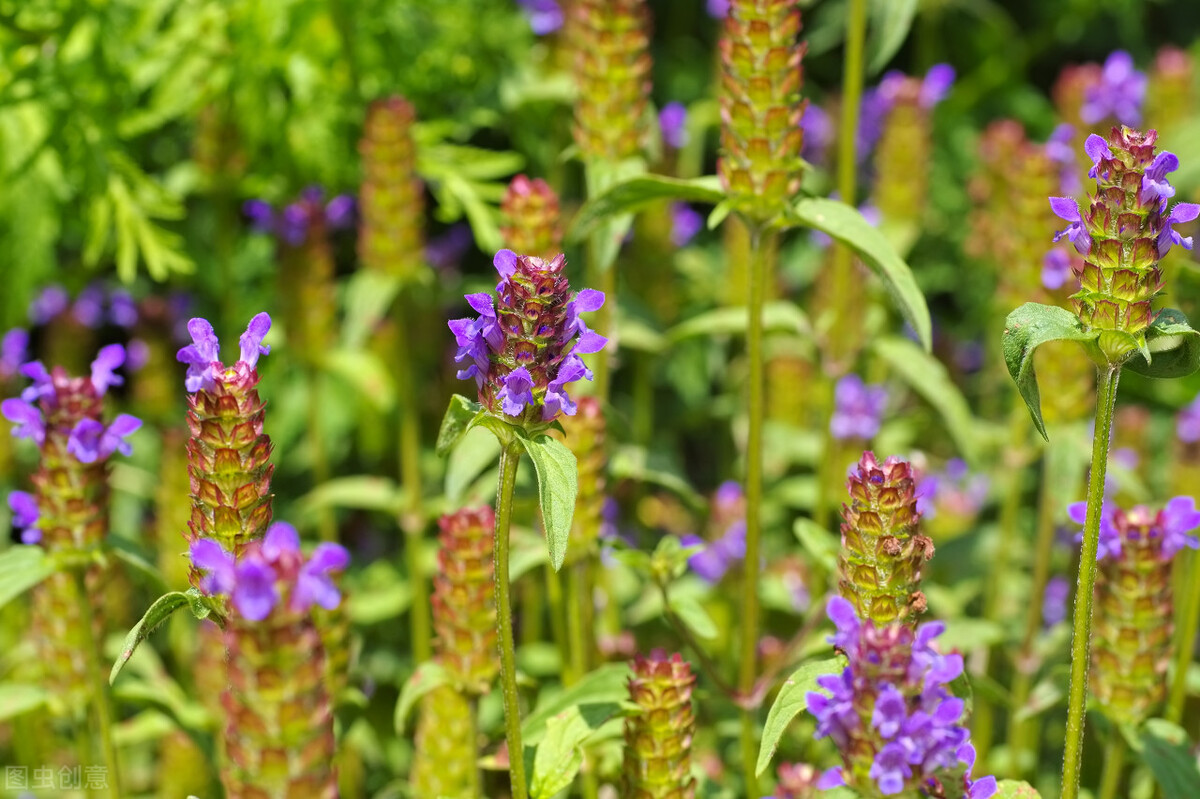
column 525, row 346
column 891, row 712
column 1122, row 233
column 464, row 598
column 533, row 221
column 612, row 73
column 391, row 199
column 658, row 737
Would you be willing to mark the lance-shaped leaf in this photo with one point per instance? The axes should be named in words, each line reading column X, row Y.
column 1026, row 329
column 560, row 753
column 890, row 23
column 557, row 475
column 1173, row 345
column 155, row 615
column 846, row 224
column 600, row 688
column 461, row 416
column 790, row 702
column 1165, row 748
column 780, row 315
column 635, row 193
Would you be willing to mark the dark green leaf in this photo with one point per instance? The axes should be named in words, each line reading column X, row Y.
column 1026, row 329
column 637, row 192
column 890, row 23
column 790, row 702
column 557, row 489
column 18, row 698
column 21, row 568
column 1173, row 345
column 927, row 376
column 126, row 551
column 158, row 612
column 460, row 416
column 847, row 225
column 427, row 677
column 1167, row 751
column 603, row 686
column 780, row 315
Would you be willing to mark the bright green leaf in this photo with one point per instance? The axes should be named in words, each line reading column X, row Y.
column 359, row 491
column 890, row 23
column 1026, row 329
column 820, row 545
column 476, row 451
column 1167, row 751
column 559, row 755
column 426, row 678
column 790, row 702
column 367, row 373
column 602, row 686
column 926, row 375
column 638, row 192
column 18, row 698
column 781, row 316
column 847, row 225
column 21, row 568
column 557, row 489
column 158, row 612
column 693, row 615
column 1173, row 345
column 460, row 416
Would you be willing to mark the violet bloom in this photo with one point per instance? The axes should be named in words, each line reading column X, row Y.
column 88, row 309
column 672, row 121
column 1060, row 149
column 339, row 212
column 26, row 419
column 1174, row 525
column 686, row 222
column 203, row 355
column 122, row 310
column 1110, row 539
column 261, row 215
column 51, row 302
column 1177, row 522
column 91, row 441
column 107, row 361
column 545, row 16
column 1056, row 269
column 1181, row 213
column 446, row 251
column 14, row 349
column 1187, row 423
column 1067, row 209
column 1118, row 94
column 936, row 85
column 858, row 409
column 1054, row 601
column 818, row 133
column 25, row 516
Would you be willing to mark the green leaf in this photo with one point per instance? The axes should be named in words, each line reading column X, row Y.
column 476, row 451
column 820, row 545
column 560, row 753
column 557, row 489
column 427, row 677
column 1015, row 789
column 693, row 615
column 1173, row 344
column 1026, row 329
column 1167, row 752
column 790, row 702
column 779, row 315
column 890, row 23
column 847, row 225
column 926, row 375
column 359, row 491
column 367, row 373
column 21, row 568
column 18, row 698
column 460, row 416
column 603, row 686
column 157, row 613
column 637, row 192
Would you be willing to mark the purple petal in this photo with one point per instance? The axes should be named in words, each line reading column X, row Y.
column 1077, row 512
column 43, row 384
column 842, row 614
column 209, row 556
column 254, row 595
column 938, row 81
column 588, row 300
column 108, row 359
column 1066, row 208
column 26, row 418
column 505, row 263
column 483, row 302
column 251, row 341
column 589, row 342
column 84, row 441
column 1184, row 212
column 281, row 538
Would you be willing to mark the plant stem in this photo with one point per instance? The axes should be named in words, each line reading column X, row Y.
column 578, row 601
column 1106, row 400
column 1189, row 619
column 759, row 247
column 326, row 519
column 510, row 454
column 1024, row 732
column 558, row 625
column 476, row 776
column 1114, row 765
column 412, row 517
column 101, row 709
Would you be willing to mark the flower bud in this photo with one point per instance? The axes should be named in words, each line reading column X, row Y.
column 464, row 598
column 586, row 437
column 533, row 225
column 444, row 753
column 392, row 198
column 658, row 738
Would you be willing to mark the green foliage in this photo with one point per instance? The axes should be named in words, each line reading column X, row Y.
column 1172, row 346
column 19, row 698
column 21, row 568
column 790, row 702
column 1026, row 329
column 636, row 193
column 426, row 678
column 1166, row 750
column 557, row 490
column 158, row 612
column 461, row 415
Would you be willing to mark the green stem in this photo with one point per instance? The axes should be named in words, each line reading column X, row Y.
column 1106, row 400
column 476, row 775
column 558, row 625
column 326, row 519
column 510, row 454
column 578, row 601
column 101, row 708
column 759, row 247
column 605, row 280
column 1024, row 732
column 412, row 518
column 1114, row 766
column 1188, row 621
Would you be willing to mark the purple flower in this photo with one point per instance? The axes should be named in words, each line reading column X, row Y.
column 25, row 516
column 672, row 120
column 556, row 400
column 938, row 81
column 13, row 350
column 51, row 302
column 251, row 341
column 122, row 310
column 858, row 409
column 137, row 354
column 1154, row 180
column 707, row 563
column 1177, row 521
column 293, row 224
column 545, row 16
column 254, row 593
column 890, row 769
column 200, row 355
column 1098, row 150
column 209, row 556
column 1118, row 94
column 1110, row 539
column 445, row 251
column 686, row 222
column 718, row 9
column 88, row 309
column 42, row 385
column 26, row 418
column 1187, row 423
column 1181, row 213
column 1060, row 149
column 585, row 301
column 517, row 391
column 314, row 584
column 1056, row 268
column 339, row 212
column 818, row 133
column 90, row 441
column 107, row 360
column 1054, row 601
column 872, row 113
column 1067, row 209
column 261, row 215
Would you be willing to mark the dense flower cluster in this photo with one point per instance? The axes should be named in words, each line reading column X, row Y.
column 533, row 223
column 858, row 409
column 891, row 712
column 271, row 573
column 464, row 598
column 203, row 355
column 524, row 347
column 1118, row 92
column 292, row 224
column 1172, row 526
column 658, row 738
column 728, row 544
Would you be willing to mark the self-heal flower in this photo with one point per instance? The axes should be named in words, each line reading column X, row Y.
column 1067, row 209
column 1119, row 93
column 858, row 409
column 25, row 516
column 1180, row 214
column 13, row 348
column 107, row 360
column 26, row 418
column 51, row 302
column 1056, row 268
column 672, row 121
column 203, row 355
column 686, row 222
column 1154, row 181
column 90, row 440
column 545, row 16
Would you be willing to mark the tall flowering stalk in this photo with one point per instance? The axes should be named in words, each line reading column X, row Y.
column 67, row 516
column 279, row 719
column 658, row 737
column 760, row 170
column 891, row 714
column 523, row 350
column 587, row 436
column 390, row 242
column 1122, row 233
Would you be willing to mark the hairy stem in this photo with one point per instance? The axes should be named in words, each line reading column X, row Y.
column 510, row 455
column 1106, row 400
